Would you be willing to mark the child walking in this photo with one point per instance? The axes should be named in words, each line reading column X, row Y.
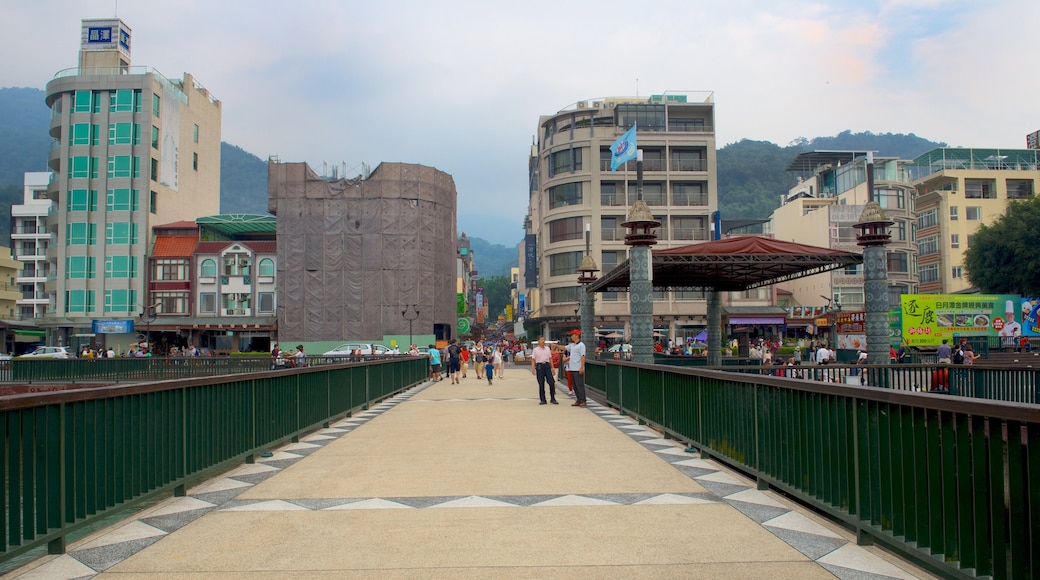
column 489, row 370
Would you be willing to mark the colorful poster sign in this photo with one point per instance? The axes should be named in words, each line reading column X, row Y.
column 1031, row 316
column 462, row 325
column 930, row 318
column 112, row 326
column 509, row 311
column 852, row 322
column 460, row 304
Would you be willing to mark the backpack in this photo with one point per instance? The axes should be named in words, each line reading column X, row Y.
column 453, row 351
column 958, row 357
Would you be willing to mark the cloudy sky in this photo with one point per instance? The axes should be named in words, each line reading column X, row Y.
column 459, row 85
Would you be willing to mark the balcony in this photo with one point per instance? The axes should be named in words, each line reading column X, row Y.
column 30, row 254
column 689, row 164
column 236, row 311
column 691, row 234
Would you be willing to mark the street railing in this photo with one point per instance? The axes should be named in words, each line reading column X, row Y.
column 947, row 482
column 71, row 458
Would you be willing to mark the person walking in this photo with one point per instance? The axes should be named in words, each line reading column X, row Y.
column 489, row 370
column 454, row 361
column 497, row 360
column 575, row 361
column 541, row 367
column 435, row 363
column 464, row 356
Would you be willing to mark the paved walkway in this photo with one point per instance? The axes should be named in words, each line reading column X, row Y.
column 475, row 481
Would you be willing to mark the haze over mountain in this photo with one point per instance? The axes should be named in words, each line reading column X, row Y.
column 751, row 174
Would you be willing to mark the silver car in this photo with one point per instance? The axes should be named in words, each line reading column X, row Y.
column 49, row 352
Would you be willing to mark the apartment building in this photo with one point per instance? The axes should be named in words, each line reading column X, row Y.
column 821, row 211
column 572, row 189
column 132, row 149
column 957, row 191
column 31, row 238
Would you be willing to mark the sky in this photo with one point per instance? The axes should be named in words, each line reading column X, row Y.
column 460, row 85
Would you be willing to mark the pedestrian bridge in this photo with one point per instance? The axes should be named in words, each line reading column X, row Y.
column 368, row 469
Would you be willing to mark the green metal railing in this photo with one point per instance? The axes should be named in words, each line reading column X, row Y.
column 951, row 483
column 70, row 458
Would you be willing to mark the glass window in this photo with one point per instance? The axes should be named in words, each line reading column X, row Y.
column 899, row 230
column 155, row 170
column 82, row 102
column 79, row 267
column 653, row 192
column 266, row 302
column 689, row 194
column 80, row 234
column 558, row 295
column 124, row 166
column 1019, row 188
column 153, row 202
column 897, row 262
column 927, row 219
column 953, row 213
column 689, row 160
column 171, row 302
column 120, row 300
column 208, row 302
column 646, row 117
column 155, row 105
column 928, row 273
column 208, row 268
column 566, row 229
column 83, row 167
column 79, row 301
column 979, row 189
column 565, row 161
column 155, row 137
column 973, row 213
column 955, row 240
column 124, row 133
column 689, row 228
column 85, row 134
column 122, row 199
column 610, row 229
column 266, row 267
column 171, row 269
column 890, row 198
column 957, row 273
column 196, row 133
column 611, row 194
column 195, row 161
column 120, row 233
column 124, row 101
column 121, row 267
column 564, row 195
column 928, row 246
column 564, row 263
column 82, row 200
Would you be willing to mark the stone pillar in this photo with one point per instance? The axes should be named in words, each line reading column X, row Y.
column 641, row 304
column 714, row 328
column 873, row 236
column 587, row 315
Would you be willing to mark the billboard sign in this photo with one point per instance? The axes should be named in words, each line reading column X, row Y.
column 930, row 318
column 531, row 260
column 112, row 326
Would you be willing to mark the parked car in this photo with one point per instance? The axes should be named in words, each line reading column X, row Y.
column 49, row 352
column 367, row 349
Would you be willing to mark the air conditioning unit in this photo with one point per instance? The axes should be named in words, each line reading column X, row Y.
column 597, row 104
column 240, row 312
column 611, row 105
column 583, row 104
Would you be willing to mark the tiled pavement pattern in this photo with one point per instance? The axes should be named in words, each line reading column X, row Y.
column 832, row 550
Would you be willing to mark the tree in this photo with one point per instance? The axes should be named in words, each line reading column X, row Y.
column 496, row 292
column 999, row 260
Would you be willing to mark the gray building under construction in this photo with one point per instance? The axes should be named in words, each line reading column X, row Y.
column 354, row 253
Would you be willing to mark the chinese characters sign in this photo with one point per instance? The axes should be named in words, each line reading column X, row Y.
column 930, row 318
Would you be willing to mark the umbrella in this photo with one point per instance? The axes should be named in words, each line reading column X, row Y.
column 702, row 337
column 614, row 335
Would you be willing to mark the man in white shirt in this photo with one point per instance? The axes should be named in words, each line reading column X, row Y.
column 575, row 361
column 541, row 367
column 823, row 355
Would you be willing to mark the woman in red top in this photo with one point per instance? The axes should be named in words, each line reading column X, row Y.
column 464, row 356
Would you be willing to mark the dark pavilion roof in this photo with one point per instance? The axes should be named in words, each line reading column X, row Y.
column 732, row 264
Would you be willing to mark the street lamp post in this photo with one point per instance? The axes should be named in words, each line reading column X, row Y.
column 410, row 319
column 148, row 316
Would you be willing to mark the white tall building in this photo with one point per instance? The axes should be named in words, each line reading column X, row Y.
column 30, row 239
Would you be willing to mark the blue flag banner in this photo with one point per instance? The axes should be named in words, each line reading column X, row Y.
column 624, row 149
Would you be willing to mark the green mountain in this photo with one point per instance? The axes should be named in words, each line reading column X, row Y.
column 243, row 181
column 493, row 259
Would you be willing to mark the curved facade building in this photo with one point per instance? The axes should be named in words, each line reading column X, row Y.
column 354, row 253
column 573, row 188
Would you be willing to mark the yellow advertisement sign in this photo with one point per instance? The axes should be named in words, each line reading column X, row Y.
column 509, row 311
column 930, row 318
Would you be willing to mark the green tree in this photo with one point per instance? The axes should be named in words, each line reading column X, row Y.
column 1000, row 258
column 496, row 292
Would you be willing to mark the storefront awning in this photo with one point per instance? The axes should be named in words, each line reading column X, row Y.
column 756, row 320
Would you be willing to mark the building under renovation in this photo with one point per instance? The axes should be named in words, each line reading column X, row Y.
column 354, row 253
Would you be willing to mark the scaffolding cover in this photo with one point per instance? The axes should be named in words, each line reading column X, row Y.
column 354, row 253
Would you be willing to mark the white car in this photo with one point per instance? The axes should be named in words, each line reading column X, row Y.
column 352, row 347
column 49, row 352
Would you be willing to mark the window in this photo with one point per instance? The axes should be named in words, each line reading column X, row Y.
column 689, row 228
column 897, row 262
column 208, row 302
column 122, row 199
column 82, row 200
column 929, row 273
column 979, row 189
column 973, row 213
column 120, row 233
column 953, row 213
column 265, row 302
column 83, row 167
column 266, row 267
column 927, row 219
column 155, row 105
column 155, row 137
column 195, row 134
column 957, row 272
column 153, row 202
column 83, row 102
column 124, row 101
column 955, row 240
column 691, row 295
column 171, row 269
column 653, row 193
column 237, row 264
column 170, row 302
column 236, row 301
column 564, row 263
column 208, row 268
column 899, row 230
column 79, row 267
column 928, row 246
column 195, row 161
column 80, row 234
column 565, row 161
column 85, row 134
column 120, row 300
column 852, row 270
column 1019, row 188
column 561, row 295
column 688, row 160
column 610, row 194
column 566, row 229
column 155, row 170
column 124, row 133
column 695, row 125
column 79, row 301
column 124, row 166
column 969, row 239
column 890, row 198
column 646, row 117
column 689, row 194
column 121, row 267
column 610, row 229
column 565, row 195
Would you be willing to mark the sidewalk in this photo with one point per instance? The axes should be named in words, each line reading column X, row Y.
column 475, row 481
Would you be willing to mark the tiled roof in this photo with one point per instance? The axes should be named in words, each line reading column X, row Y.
column 181, row 225
column 174, row 246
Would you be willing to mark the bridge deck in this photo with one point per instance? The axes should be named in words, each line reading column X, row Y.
column 476, row 481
